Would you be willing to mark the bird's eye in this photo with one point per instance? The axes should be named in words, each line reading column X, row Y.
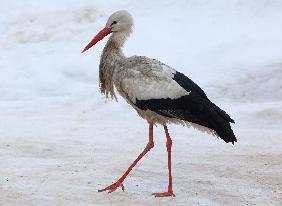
column 114, row 22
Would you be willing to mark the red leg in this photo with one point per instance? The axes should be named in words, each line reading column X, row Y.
column 168, row 146
column 118, row 183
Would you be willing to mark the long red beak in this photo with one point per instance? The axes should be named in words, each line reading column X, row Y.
column 104, row 32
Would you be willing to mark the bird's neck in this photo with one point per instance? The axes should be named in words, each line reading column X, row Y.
column 111, row 60
column 112, row 50
column 118, row 38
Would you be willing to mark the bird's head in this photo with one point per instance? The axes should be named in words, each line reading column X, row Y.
column 119, row 23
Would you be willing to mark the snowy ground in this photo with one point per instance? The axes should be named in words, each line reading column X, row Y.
column 60, row 142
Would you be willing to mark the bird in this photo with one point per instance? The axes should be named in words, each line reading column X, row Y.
column 160, row 94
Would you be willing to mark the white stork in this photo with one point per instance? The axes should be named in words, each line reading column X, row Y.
column 158, row 93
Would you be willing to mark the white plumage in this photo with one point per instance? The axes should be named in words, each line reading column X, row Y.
column 157, row 85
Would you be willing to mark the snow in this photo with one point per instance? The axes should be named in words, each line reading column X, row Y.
column 61, row 141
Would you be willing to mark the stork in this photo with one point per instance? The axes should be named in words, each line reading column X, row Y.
column 159, row 94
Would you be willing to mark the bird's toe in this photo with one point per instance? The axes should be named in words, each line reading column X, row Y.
column 112, row 187
column 164, row 194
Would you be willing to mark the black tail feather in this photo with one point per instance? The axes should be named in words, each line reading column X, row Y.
column 224, row 130
column 192, row 108
column 222, row 113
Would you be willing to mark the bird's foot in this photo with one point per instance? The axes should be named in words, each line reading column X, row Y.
column 113, row 187
column 164, row 194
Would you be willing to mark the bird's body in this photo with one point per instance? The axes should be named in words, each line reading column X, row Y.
column 159, row 93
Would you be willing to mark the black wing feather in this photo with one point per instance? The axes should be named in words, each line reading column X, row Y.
column 195, row 108
column 189, row 85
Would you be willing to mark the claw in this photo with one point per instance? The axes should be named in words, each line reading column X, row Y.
column 122, row 187
column 111, row 188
